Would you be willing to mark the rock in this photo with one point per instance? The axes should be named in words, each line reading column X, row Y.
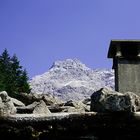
column 51, row 100
column 57, row 108
column 107, row 100
column 73, row 109
column 87, row 101
column 33, row 105
column 28, row 99
column 78, row 105
column 25, row 98
column 72, row 103
column 4, row 96
column 34, row 108
column 27, row 109
column 24, row 110
column 41, row 108
column 6, row 105
column 17, row 102
column 71, row 80
column 134, row 100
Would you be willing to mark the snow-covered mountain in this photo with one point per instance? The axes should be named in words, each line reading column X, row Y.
column 72, row 80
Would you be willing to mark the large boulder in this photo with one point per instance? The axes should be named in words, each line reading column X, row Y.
column 107, row 100
column 6, row 105
column 41, row 108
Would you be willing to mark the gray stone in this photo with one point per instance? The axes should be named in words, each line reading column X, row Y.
column 33, row 105
column 51, row 100
column 78, row 105
column 127, row 77
column 4, row 96
column 28, row 99
column 107, row 100
column 6, row 105
column 17, row 102
column 41, row 108
column 27, row 109
column 134, row 101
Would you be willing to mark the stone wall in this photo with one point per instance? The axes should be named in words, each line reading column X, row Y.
column 127, row 76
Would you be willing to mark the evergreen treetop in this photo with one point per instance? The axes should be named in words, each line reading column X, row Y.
column 13, row 78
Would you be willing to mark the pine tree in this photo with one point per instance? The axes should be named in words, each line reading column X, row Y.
column 16, row 72
column 2, row 85
column 23, row 85
column 4, row 70
column 12, row 78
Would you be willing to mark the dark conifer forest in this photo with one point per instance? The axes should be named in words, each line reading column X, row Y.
column 13, row 78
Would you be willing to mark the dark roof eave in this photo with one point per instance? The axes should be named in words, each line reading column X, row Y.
column 114, row 43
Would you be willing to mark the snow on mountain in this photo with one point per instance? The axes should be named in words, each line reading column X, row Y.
column 72, row 80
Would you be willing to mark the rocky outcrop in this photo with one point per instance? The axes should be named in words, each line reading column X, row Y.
column 39, row 121
column 71, row 80
column 6, row 105
column 107, row 100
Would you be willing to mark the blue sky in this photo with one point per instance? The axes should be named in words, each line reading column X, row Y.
column 43, row 31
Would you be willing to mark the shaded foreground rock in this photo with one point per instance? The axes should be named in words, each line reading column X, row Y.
column 40, row 124
column 107, row 100
column 71, row 126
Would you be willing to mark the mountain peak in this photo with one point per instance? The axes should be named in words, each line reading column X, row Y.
column 69, row 64
column 71, row 80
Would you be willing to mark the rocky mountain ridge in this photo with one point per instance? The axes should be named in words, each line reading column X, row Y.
column 72, row 80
